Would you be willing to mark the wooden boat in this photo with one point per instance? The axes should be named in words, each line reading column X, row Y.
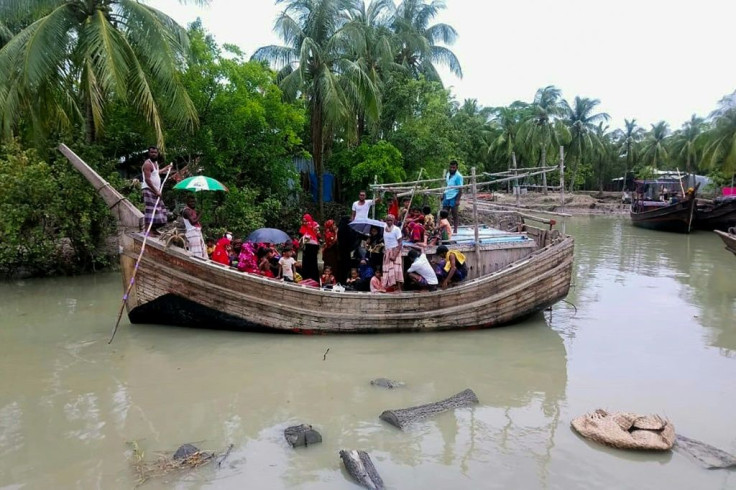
column 718, row 214
column 656, row 215
column 729, row 238
column 508, row 280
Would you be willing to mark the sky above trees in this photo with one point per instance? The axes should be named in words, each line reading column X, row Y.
column 652, row 61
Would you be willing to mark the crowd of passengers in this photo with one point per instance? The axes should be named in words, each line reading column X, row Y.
column 357, row 262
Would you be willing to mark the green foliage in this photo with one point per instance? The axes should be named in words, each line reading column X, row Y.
column 51, row 221
column 420, row 115
column 355, row 168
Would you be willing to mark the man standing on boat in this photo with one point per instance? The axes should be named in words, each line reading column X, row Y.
column 151, row 186
column 393, row 265
column 362, row 206
column 451, row 197
column 193, row 229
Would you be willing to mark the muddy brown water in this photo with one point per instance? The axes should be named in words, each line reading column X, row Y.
column 654, row 331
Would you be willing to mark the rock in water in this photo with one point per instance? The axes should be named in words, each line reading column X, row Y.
column 184, row 451
column 387, row 383
column 360, row 467
column 302, row 435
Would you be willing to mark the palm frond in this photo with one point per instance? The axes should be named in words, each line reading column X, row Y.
column 444, row 56
column 444, row 33
column 280, row 55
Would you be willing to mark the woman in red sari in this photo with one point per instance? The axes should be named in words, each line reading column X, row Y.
column 221, row 254
column 309, row 233
column 330, row 253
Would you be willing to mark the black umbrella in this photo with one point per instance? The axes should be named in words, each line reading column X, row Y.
column 364, row 225
column 268, row 235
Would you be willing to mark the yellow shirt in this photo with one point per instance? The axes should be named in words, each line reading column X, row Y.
column 459, row 258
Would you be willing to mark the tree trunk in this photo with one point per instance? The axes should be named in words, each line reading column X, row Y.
column 89, row 124
column 404, row 417
column 317, row 153
column 360, row 467
column 361, row 127
column 544, row 176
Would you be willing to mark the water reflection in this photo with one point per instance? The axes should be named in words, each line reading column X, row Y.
column 688, row 269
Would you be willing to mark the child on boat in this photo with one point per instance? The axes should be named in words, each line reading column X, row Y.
column 286, row 265
column 327, row 279
column 376, row 283
column 351, row 284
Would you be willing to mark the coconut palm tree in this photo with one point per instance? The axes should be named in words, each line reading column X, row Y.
column 544, row 130
column 75, row 56
column 628, row 144
column 654, row 147
column 375, row 55
column 583, row 126
column 418, row 40
column 720, row 147
column 506, row 122
column 686, row 141
column 316, row 63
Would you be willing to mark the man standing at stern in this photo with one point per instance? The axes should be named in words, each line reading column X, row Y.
column 451, row 197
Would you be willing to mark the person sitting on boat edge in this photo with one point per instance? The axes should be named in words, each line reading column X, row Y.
column 193, row 227
column 455, row 269
column 377, row 282
column 327, row 279
column 421, row 274
column 221, row 254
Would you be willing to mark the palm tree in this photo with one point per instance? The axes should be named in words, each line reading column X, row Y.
column 686, row 141
column 583, row 130
column 628, row 141
column 76, row 56
column 316, row 64
column 543, row 130
column 375, row 55
column 654, row 148
column 720, row 149
column 506, row 121
column 418, row 40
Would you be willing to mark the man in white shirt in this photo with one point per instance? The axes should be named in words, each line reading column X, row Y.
column 421, row 272
column 362, row 206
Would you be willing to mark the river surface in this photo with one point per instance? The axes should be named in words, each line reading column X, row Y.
column 654, row 332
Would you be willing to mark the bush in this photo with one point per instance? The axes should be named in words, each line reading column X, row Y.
column 51, row 220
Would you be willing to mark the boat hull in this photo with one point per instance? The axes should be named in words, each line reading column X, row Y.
column 729, row 239
column 676, row 218
column 717, row 216
column 173, row 288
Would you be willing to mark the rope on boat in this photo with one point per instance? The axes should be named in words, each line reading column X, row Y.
column 137, row 263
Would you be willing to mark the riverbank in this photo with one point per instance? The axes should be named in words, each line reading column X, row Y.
column 577, row 204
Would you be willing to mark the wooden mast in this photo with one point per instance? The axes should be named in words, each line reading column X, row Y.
column 562, row 176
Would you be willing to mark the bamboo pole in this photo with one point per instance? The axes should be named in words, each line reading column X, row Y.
column 410, row 201
column 475, row 218
column 562, row 176
column 517, row 209
column 137, row 263
column 516, row 180
column 373, row 208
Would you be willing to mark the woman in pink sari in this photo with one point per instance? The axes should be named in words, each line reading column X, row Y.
column 247, row 259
